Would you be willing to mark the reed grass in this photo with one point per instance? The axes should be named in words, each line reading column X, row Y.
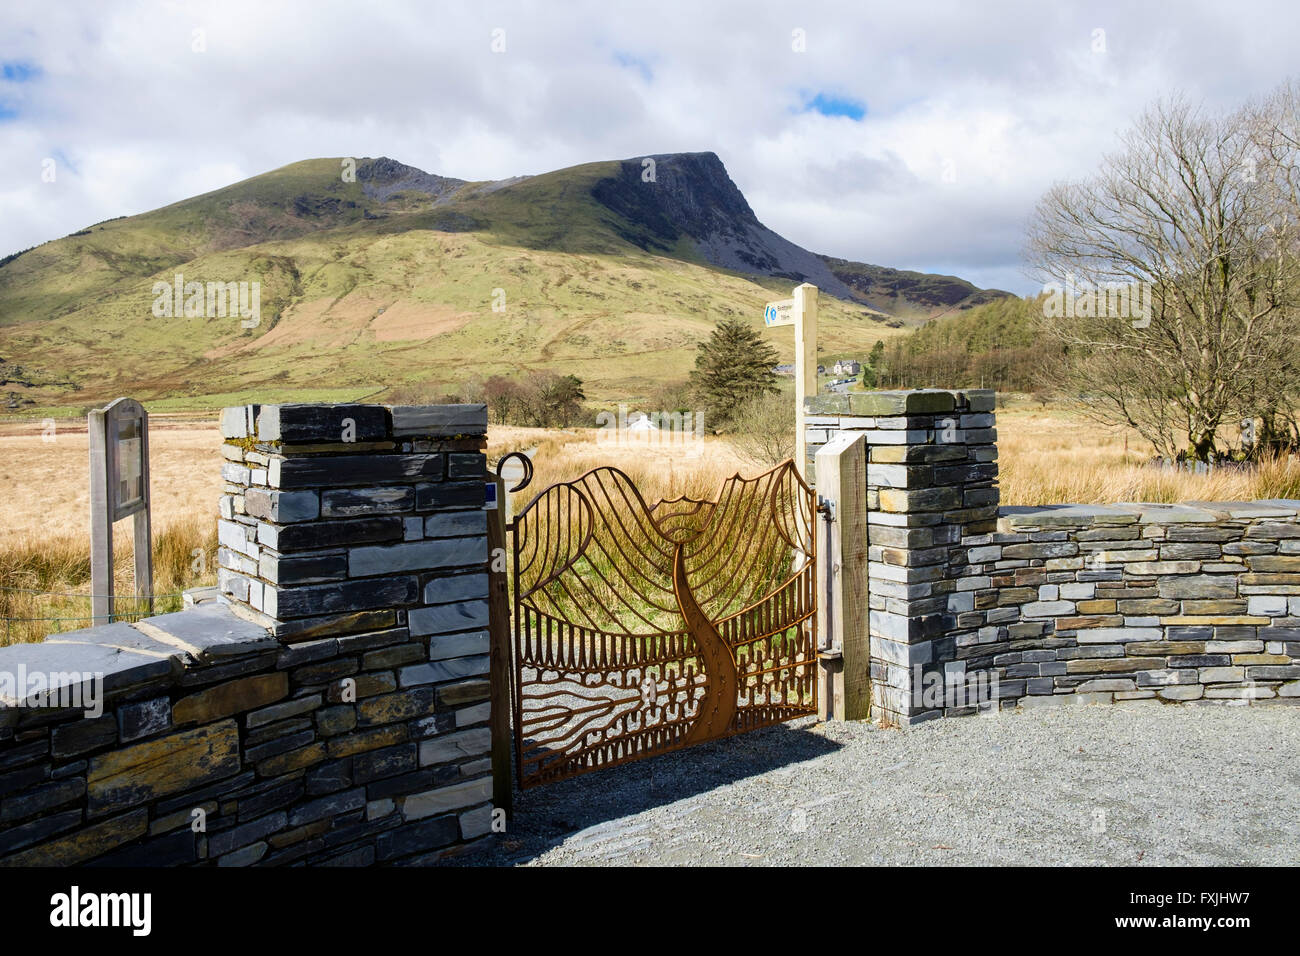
column 45, row 580
column 1046, row 457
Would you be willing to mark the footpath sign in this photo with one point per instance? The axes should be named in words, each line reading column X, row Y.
column 779, row 313
column 799, row 311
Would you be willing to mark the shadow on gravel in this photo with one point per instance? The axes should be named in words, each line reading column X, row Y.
column 544, row 816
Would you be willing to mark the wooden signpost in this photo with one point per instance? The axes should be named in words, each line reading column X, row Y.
column 119, row 488
column 801, row 312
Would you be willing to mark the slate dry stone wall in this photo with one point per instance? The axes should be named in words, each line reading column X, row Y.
column 1194, row 603
column 333, row 711
column 1179, row 603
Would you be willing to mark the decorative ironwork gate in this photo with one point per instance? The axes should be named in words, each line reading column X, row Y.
column 641, row 629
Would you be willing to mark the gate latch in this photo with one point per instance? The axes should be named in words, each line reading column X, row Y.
column 826, row 507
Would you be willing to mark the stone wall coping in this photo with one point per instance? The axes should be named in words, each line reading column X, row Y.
column 309, row 422
column 1144, row 512
column 920, row 401
column 128, row 655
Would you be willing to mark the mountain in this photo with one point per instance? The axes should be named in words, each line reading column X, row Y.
column 910, row 294
column 373, row 276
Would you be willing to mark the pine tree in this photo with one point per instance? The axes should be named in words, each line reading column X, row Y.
column 733, row 367
column 873, row 368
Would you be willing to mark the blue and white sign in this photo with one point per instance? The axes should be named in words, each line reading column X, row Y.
column 780, row 312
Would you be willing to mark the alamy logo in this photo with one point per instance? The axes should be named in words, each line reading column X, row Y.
column 955, row 688
column 213, row 300
column 74, row 908
column 69, row 690
column 655, row 428
column 1073, row 299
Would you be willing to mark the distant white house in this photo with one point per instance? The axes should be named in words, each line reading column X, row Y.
column 784, row 370
column 847, row 367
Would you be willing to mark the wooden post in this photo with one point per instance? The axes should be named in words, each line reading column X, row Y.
column 499, row 659
column 142, row 533
column 101, row 522
column 842, row 609
column 805, row 367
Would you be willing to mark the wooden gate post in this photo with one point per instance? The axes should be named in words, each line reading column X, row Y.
column 842, row 609
column 499, row 652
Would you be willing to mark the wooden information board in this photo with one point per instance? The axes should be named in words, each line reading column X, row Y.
column 119, row 488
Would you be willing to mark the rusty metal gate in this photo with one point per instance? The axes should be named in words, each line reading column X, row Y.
column 640, row 629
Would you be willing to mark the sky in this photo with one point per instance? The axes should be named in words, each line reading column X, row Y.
column 915, row 135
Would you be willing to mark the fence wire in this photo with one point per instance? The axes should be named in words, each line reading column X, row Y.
column 126, row 616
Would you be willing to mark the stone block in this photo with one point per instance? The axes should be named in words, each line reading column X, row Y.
column 86, row 843
column 1204, row 586
column 145, row 771
column 439, row 421
column 456, row 524
column 143, row 718
column 418, row 556
column 314, row 568
column 282, row 507
column 322, row 424
column 331, row 534
column 434, row 672
column 446, row 799
column 333, row 471
column 444, row 646
column 452, row 494
column 342, row 596
column 356, row 502
column 455, row 747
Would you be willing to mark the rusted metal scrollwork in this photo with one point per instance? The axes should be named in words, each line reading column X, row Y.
column 640, row 629
column 524, row 460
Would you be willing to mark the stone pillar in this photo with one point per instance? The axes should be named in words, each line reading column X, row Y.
column 356, row 535
column 931, row 495
column 931, row 491
column 342, row 519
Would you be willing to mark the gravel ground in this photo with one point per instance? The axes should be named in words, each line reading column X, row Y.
column 1139, row 783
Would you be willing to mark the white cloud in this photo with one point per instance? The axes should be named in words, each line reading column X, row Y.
column 1006, row 98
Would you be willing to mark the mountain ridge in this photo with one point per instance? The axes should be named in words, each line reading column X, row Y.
column 393, row 272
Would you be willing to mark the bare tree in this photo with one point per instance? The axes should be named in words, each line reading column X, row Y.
column 762, row 428
column 1274, row 391
column 1186, row 235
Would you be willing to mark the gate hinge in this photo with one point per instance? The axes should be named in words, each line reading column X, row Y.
column 826, row 506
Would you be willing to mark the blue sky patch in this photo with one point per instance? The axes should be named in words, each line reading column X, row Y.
column 18, row 72
column 632, row 62
column 830, row 105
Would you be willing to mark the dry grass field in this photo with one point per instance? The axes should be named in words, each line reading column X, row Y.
column 1047, row 456
column 1050, row 456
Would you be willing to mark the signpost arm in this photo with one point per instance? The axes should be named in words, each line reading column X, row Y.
column 101, row 522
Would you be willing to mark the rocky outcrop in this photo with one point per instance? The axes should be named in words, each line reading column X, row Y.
column 691, row 196
column 383, row 177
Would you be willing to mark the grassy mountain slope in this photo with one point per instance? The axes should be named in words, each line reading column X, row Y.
column 391, row 279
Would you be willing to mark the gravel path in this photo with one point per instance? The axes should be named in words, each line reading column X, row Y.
column 1139, row 783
